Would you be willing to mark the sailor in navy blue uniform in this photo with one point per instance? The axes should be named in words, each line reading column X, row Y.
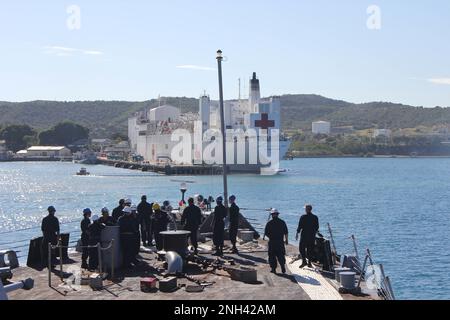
column 277, row 231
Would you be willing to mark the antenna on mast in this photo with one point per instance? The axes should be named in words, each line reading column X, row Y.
column 239, row 80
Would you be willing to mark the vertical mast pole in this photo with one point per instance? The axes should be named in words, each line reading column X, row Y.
column 239, row 90
column 222, row 126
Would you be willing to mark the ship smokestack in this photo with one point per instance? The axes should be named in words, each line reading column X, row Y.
column 205, row 111
column 255, row 95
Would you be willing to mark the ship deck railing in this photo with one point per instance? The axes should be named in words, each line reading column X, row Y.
column 375, row 277
column 60, row 247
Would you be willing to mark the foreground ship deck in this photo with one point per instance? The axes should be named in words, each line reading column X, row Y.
column 296, row 284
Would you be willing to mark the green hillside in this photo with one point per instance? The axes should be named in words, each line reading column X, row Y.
column 298, row 111
column 105, row 118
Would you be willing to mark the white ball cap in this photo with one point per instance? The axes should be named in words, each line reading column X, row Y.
column 127, row 210
column 128, row 200
column 274, row 211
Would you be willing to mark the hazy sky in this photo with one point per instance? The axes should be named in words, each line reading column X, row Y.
column 136, row 50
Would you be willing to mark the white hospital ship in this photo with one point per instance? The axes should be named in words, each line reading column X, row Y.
column 151, row 132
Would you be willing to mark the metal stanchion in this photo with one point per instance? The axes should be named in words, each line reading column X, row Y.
column 60, row 260
column 355, row 247
column 334, row 253
column 384, row 281
column 100, row 260
column 363, row 272
column 388, row 282
column 331, row 237
column 49, row 261
column 369, row 256
column 112, row 259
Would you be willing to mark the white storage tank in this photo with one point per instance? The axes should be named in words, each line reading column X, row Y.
column 164, row 113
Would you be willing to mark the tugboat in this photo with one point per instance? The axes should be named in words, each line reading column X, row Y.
column 83, row 172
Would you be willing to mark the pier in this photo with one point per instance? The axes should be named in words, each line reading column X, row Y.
column 175, row 169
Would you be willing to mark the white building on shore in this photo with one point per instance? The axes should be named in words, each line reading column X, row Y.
column 382, row 133
column 321, row 127
column 45, row 152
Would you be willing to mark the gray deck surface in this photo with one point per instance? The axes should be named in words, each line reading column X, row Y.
column 127, row 286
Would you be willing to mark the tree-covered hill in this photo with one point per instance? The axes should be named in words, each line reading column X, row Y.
column 298, row 111
column 106, row 118
column 102, row 118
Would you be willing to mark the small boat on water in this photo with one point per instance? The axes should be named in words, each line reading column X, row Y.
column 83, row 172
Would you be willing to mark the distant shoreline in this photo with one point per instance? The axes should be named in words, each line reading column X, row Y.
column 35, row 160
column 302, row 157
column 371, row 157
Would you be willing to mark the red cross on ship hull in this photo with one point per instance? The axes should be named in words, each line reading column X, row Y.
column 264, row 123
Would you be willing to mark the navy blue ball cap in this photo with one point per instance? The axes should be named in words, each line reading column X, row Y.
column 51, row 209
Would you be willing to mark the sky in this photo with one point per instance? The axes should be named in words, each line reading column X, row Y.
column 354, row 50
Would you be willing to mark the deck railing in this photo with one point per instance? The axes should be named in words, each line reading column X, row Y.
column 60, row 247
column 20, row 244
column 370, row 272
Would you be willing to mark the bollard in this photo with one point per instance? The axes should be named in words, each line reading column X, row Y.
column 13, row 260
column 176, row 241
column 338, row 271
column 11, row 255
column 5, row 273
column 247, row 236
column 348, row 279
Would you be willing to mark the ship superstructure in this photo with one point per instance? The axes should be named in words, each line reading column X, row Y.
column 151, row 132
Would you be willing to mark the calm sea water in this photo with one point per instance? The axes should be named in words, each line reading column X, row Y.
column 399, row 208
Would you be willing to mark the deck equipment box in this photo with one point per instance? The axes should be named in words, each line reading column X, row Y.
column 168, row 284
column 148, row 284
